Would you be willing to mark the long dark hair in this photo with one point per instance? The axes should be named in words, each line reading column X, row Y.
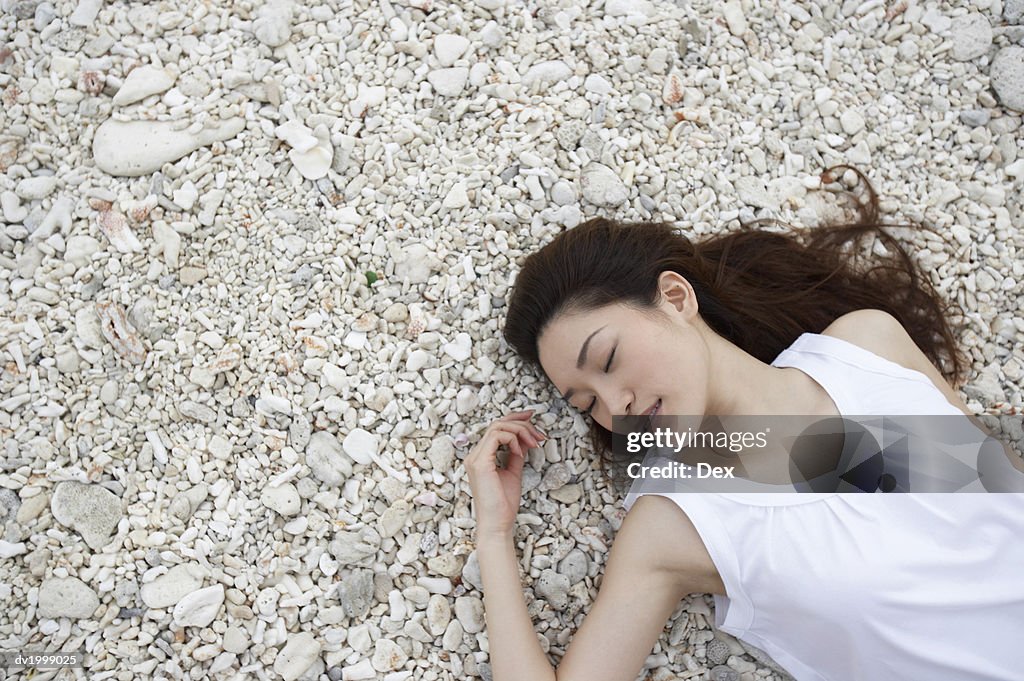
column 758, row 289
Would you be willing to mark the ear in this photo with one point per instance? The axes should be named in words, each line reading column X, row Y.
column 677, row 292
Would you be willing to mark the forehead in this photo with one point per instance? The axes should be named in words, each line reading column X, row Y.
column 560, row 343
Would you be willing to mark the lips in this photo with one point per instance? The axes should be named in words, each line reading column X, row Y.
column 653, row 409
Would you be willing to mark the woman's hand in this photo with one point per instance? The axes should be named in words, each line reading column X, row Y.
column 498, row 491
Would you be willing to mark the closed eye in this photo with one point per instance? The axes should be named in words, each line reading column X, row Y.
column 607, row 366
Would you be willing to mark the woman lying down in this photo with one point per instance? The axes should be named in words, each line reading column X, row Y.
column 634, row 320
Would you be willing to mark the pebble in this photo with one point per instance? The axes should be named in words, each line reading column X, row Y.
column 326, row 459
column 1007, row 74
column 311, row 152
column 143, row 82
column 298, row 655
column 67, row 597
column 236, row 640
column 554, row 588
column 470, row 612
column 1013, row 11
column 449, row 82
column 388, row 656
column 130, row 149
column 284, row 499
column 272, row 26
column 35, row 188
column 551, row 72
column 971, row 35
column 975, row 117
column 167, row 589
column 601, row 186
column 734, row 17
column 852, row 122
column 199, row 608
column 449, row 48
column 91, row 510
column 361, row 446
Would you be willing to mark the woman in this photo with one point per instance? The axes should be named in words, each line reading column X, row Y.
column 627, row 319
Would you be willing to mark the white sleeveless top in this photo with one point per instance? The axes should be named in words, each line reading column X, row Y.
column 869, row 587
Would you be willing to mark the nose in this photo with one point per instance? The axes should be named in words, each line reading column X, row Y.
column 619, row 402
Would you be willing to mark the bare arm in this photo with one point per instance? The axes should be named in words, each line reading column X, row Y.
column 515, row 652
column 642, row 585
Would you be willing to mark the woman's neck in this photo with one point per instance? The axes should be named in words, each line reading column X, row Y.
column 741, row 384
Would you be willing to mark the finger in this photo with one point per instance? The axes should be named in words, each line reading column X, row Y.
column 518, row 415
column 484, row 457
column 525, row 433
column 532, row 437
column 515, row 465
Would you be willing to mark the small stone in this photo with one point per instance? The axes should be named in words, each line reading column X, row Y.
column 356, row 594
column 971, row 35
column 91, row 510
column 734, row 17
column 717, row 651
column 325, row 458
column 1013, row 11
column 67, row 597
column 134, row 148
column 361, row 445
column 388, row 656
column 724, row 673
column 753, row 192
column 272, row 26
column 461, row 348
column 975, row 117
column 142, row 82
column 551, row 72
column 851, row 121
column 554, row 588
column 393, row 519
column 574, row 566
column 562, row 193
column 284, row 499
column 569, row 133
column 1007, row 77
column 456, row 197
column 199, row 608
column 439, row 614
column 568, row 494
column 236, row 640
column 449, row 82
column 34, row 188
column 355, row 546
column 297, row 656
column 449, row 48
column 417, row 263
column 597, row 84
column 169, row 588
column 602, row 187
column 470, row 612
column 186, row 196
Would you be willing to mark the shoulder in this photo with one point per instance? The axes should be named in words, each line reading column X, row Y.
column 879, row 332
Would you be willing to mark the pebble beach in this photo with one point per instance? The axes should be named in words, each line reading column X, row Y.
column 253, row 264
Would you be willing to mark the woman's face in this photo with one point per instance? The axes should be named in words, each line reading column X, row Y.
column 651, row 360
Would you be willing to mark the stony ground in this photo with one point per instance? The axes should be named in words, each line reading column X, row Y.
column 253, row 260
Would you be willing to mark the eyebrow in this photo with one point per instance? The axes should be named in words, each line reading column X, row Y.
column 581, row 360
